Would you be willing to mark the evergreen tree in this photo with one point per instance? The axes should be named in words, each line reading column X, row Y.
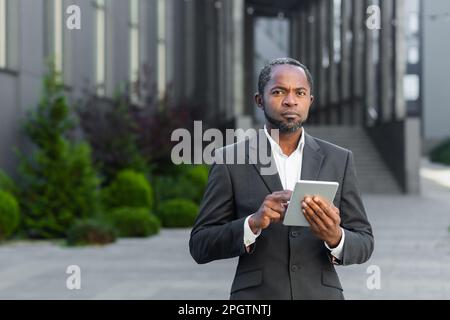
column 59, row 184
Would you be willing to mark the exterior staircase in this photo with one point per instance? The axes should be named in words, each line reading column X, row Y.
column 373, row 175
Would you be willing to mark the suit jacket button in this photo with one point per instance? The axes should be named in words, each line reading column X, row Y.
column 294, row 234
column 294, row 268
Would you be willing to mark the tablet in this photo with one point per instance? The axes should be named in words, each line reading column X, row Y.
column 294, row 215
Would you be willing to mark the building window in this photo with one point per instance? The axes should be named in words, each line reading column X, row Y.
column 54, row 41
column 134, row 47
column 100, row 45
column 3, row 24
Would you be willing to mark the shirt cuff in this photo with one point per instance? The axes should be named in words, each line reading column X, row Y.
column 249, row 236
column 337, row 252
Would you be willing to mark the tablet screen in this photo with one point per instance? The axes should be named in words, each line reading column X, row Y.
column 294, row 215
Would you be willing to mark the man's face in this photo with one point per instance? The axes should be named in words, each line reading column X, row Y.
column 287, row 98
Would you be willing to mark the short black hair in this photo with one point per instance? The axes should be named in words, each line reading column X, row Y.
column 264, row 75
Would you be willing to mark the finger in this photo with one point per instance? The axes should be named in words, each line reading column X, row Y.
column 327, row 213
column 325, row 219
column 336, row 210
column 312, row 223
column 309, row 213
column 282, row 196
column 322, row 203
column 273, row 215
column 314, row 213
column 276, row 206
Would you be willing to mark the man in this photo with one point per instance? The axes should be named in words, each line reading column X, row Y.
column 242, row 210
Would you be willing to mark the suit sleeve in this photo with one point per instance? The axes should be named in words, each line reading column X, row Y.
column 217, row 234
column 359, row 242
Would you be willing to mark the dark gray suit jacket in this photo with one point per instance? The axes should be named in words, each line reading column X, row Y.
column 285, row 262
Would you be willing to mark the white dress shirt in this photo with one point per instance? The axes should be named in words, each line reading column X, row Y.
column 289, row 169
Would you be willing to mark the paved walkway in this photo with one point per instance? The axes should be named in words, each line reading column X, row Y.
column 412, row 251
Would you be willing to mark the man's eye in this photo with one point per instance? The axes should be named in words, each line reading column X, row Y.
column 277, row 92
column 301, row 93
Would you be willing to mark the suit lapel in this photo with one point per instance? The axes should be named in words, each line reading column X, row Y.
column 312, row 159
column 272, row 182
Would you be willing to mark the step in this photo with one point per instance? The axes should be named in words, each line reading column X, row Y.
column 373, row 174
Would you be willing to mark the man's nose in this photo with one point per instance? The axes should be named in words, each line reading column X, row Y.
column 289, row 100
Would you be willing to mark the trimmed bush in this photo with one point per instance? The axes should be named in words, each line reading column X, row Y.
column 188, row 182
column 169, row 188
column 178, row 213
column 91, row 232
column 134, row 222
column 129, row 189
column 9, row 215
column 198, row 174
column 441, row 153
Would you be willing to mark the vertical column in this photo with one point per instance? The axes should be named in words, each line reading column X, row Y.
column 370, row 74
column 302, row 17
column 179, row 50
column 238, row 60
column 320, row 71
column 344, row 74
column 229, row 59
column 12, row 37
column 221, row 74
column 293, row 40
column 357, row 60
column 161, row 56
column 386, row 49
column 249, row 62
column 3, row 28
column 313, row 57
column 332, row 83
column 189, row 54
column 399, row 58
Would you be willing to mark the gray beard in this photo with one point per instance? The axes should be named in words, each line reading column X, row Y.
column 284, row 127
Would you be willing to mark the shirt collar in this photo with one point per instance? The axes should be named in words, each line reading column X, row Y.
column 276, row 147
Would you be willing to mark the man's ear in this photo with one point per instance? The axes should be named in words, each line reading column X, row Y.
column 312, row 100
column 258, row 100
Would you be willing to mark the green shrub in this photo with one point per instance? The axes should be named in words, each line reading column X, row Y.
column 187, row 182
column 89, row 232
column 9, row 215
column 58, row 181
column 129, row 189
column 7, row 184
column 178, row 213
column 134, row 222
column 198, row 174
column 169, row 188
column 441, row 153
column 58, row 191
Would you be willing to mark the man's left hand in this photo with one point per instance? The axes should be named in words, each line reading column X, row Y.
column 324, row 219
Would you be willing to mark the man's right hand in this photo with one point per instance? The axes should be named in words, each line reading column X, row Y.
column 272, row 210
